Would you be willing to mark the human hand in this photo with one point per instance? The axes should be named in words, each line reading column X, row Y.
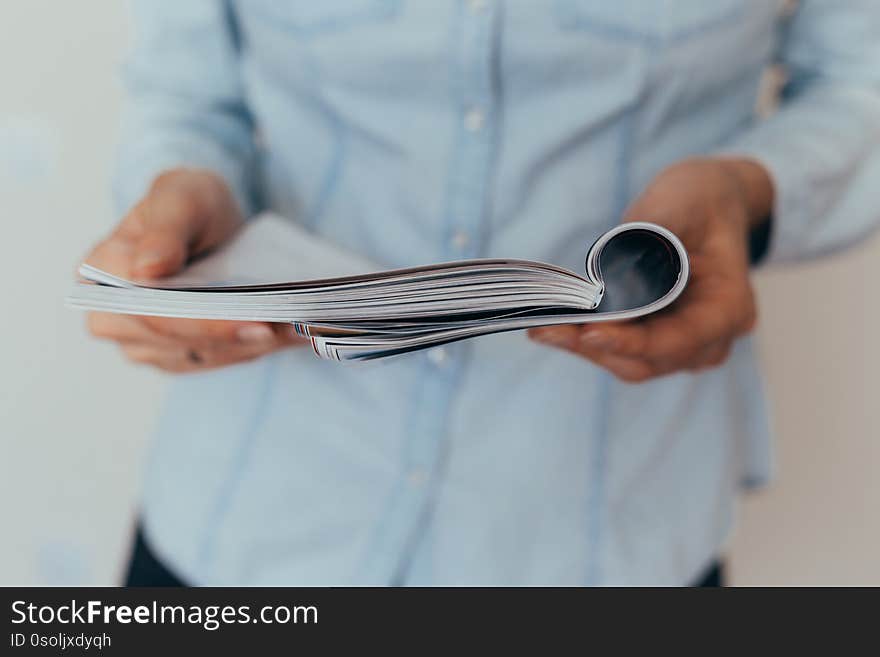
column 184, row 214
column 711, row 204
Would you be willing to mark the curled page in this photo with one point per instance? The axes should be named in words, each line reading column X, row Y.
column 637, row 268
column 632, row 270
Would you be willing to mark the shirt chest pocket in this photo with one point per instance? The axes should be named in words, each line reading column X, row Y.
column 315, row 17
column 648, row 22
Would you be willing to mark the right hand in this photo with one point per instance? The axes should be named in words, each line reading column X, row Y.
column 185, row 213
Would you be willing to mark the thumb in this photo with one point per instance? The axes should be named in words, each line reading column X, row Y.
column 171, row 222
column 163, row 249
column 185, row 213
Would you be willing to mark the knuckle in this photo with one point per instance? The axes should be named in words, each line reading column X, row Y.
column 725, row 323
column 671, row 356
column 586, row 354
column 631, row 377
column 746, row 310
column 750, row 319
column 635, row 374
column 683, row 349
column 719, row 357
column 162, row 326
column 714, row 358
column 704, row 365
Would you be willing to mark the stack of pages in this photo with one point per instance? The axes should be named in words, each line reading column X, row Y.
column 632, row 270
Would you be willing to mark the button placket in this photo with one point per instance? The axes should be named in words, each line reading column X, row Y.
column 476, row 100
column 469, row 171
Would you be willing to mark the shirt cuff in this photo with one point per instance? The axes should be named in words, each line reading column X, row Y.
column 791, row 197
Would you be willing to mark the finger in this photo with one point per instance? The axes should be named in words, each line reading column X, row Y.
column 145, row 244
column 678, row 334
column 687, row 330
column 136, row 329
column 568, row 338
column 197, row 331
column 712, row 356
column 223, row 355
column 180, row 332
column 633, row 369
column 207, row 330
column 173, row 359
column 180, row 357
column 122, row 328
column 288, row 336
column 168, row 225
column 670, row 340
column 113, row 255
column 629, row 370
column 564, row 336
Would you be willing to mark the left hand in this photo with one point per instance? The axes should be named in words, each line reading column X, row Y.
column 185, row 213
column 711, row 204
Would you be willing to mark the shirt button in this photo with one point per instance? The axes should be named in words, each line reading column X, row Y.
column 417, row 477
column 437, row 356
column 460, row 240
column 476, row 6
column 474, row 119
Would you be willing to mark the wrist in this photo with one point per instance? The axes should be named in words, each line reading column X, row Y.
column 754, row 185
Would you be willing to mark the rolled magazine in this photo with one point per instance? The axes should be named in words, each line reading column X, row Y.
column 632, row 270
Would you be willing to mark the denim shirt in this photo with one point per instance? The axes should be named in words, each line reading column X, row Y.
column 416, row 131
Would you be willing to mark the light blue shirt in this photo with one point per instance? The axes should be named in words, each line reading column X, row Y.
column 416, row 131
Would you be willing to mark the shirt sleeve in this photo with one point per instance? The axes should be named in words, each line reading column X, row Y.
column 822, row 146
column 184, row 99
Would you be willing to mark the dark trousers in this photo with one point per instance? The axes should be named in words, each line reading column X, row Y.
column 146, row 570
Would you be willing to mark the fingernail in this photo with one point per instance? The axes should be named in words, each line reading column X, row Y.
column 255, row 334
column 599, row 339
column 148, row 259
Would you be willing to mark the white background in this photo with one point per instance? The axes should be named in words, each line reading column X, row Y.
column 74, row 418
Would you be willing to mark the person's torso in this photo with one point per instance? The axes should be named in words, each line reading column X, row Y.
column 412, row 132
